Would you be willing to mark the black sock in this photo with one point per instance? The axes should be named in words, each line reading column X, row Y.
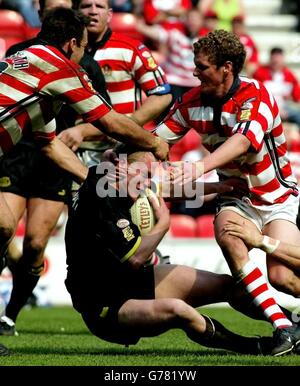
column 24, row 281
column 217, row 336
column 3, row 262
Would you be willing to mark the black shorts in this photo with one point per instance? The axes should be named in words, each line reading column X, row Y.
column 27, row 172
column 102, row 320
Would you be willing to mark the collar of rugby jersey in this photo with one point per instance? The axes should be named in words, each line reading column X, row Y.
column 234, row 87
column 100, row 43
column 60, row 52
column 46, row 43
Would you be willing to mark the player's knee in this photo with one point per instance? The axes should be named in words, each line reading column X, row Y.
column 34, row 246
column 178, row 309
column 230, row 245
column 6, row 232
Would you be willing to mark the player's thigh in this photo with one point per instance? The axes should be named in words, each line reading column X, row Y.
column 42, row 216
column 16, row 204
column 149, row 317
column 174, row 281
column 195, row 287
column 283, row 230
column 226, row 215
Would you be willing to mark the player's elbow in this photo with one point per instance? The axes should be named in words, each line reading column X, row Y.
column 136, row 261
column 113, row 123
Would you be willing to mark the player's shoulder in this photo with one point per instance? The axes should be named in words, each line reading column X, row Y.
column 190, row 98
column 248, row 88
column 123, row 40
column 21, row 46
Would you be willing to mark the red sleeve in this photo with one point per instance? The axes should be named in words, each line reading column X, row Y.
column 296, row 90
column 150, row 12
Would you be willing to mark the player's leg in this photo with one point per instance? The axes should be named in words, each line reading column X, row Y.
column 7, row 224
column 148, row 318
column 199, row 287
column 246, row 272
column 196, row 287
column 281, row 275
column 13, row 207
column 17, row 206
column 42, row 216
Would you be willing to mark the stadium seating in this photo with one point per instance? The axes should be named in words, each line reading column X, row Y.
column 125, row 23
column 182, row 226
column 205, row 226
column 13, row 29
column 12, row 24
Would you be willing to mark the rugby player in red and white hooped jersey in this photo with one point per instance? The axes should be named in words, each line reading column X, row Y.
column 34, row 82
column 240, row 124
column 128, row 66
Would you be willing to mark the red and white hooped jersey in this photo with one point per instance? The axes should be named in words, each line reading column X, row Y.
column 248, row 109
column 33, row 85
column 179, row 66
column 129, row 68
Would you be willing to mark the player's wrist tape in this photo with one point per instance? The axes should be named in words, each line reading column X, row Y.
column 268, row 246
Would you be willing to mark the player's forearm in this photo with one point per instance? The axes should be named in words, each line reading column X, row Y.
column 230, row 150
column 126, row 130
column 287, row 253
column 59, row 153
column 148, row 245
column 192, row 190
column 151, row 108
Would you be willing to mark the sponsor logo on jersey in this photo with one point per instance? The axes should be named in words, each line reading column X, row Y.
column 20, row 62
column 5, row 182
column 89, row 83
column 150, row 59
column 165, row 89
column 151, row 62
column 245, row 115
column 128, row 233
column 123, row 223
column 107, row 70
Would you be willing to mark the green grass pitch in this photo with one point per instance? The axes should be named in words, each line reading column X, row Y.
column 57, row 337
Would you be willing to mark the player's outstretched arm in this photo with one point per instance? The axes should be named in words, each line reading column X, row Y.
column 59, row 153
column 287, row 253
column 126, row 130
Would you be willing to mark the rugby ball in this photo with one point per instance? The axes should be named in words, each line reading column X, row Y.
column 142, row 214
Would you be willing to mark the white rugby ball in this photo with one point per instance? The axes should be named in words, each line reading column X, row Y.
column 142, row 214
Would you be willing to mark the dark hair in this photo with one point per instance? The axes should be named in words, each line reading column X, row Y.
column 123, row 148
column 221, row 46
column 42, row 4
column 276, row 50
column 61, row 25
